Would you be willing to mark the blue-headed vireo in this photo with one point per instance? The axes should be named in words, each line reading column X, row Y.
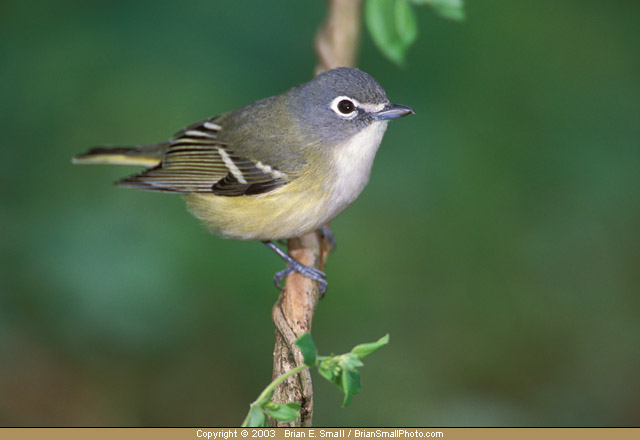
column 275, row 169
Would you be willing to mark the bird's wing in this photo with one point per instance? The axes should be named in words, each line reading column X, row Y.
column 197, row 161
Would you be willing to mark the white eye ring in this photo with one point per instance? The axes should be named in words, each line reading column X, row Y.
column 335, row 106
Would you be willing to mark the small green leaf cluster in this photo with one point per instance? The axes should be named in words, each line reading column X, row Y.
column 393, row 26
column 258, row 413
column 341, row 370
column 263, row 407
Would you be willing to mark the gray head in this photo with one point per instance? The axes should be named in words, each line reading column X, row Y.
column 340, row 103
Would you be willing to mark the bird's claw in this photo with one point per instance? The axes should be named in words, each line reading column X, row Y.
column 327, row 236
column 295, row 266
column 310, row 272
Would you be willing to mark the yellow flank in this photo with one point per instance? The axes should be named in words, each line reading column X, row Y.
column 117, row 159
column 289, row 211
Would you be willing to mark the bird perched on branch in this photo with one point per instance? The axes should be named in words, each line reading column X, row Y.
column 277, row 168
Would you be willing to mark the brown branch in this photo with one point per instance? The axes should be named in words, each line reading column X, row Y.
column 336, row 44
column 292, row 316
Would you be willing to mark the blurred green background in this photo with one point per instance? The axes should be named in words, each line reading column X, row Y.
column 498, row 241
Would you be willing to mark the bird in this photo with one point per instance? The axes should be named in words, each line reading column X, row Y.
column 274, row 169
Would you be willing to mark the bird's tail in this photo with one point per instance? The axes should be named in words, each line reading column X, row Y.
column 143, row 155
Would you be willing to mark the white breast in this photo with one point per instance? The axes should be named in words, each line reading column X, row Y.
column 352, row 165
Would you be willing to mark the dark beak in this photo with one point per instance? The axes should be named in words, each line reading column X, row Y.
column 393, row 111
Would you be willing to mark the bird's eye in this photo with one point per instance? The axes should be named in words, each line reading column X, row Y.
column 345, row 106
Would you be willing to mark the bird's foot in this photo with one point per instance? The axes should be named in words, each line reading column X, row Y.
column 295, row 266
column 310, row 272
column 327, row 236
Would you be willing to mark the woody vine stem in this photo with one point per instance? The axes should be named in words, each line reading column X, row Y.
column 336, row 44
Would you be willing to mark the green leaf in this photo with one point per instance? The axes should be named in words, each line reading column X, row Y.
column 256, row 418
column 392, row 25
column 331, row 372
column 405, row 22
column 363, row 350
column 308, row 348
column 350, row 384
column 347, row 387
column 355, row 381
column 330, row 369
column 293, row 405
column 350, row 361
column 285, row 413
column 451, row 9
